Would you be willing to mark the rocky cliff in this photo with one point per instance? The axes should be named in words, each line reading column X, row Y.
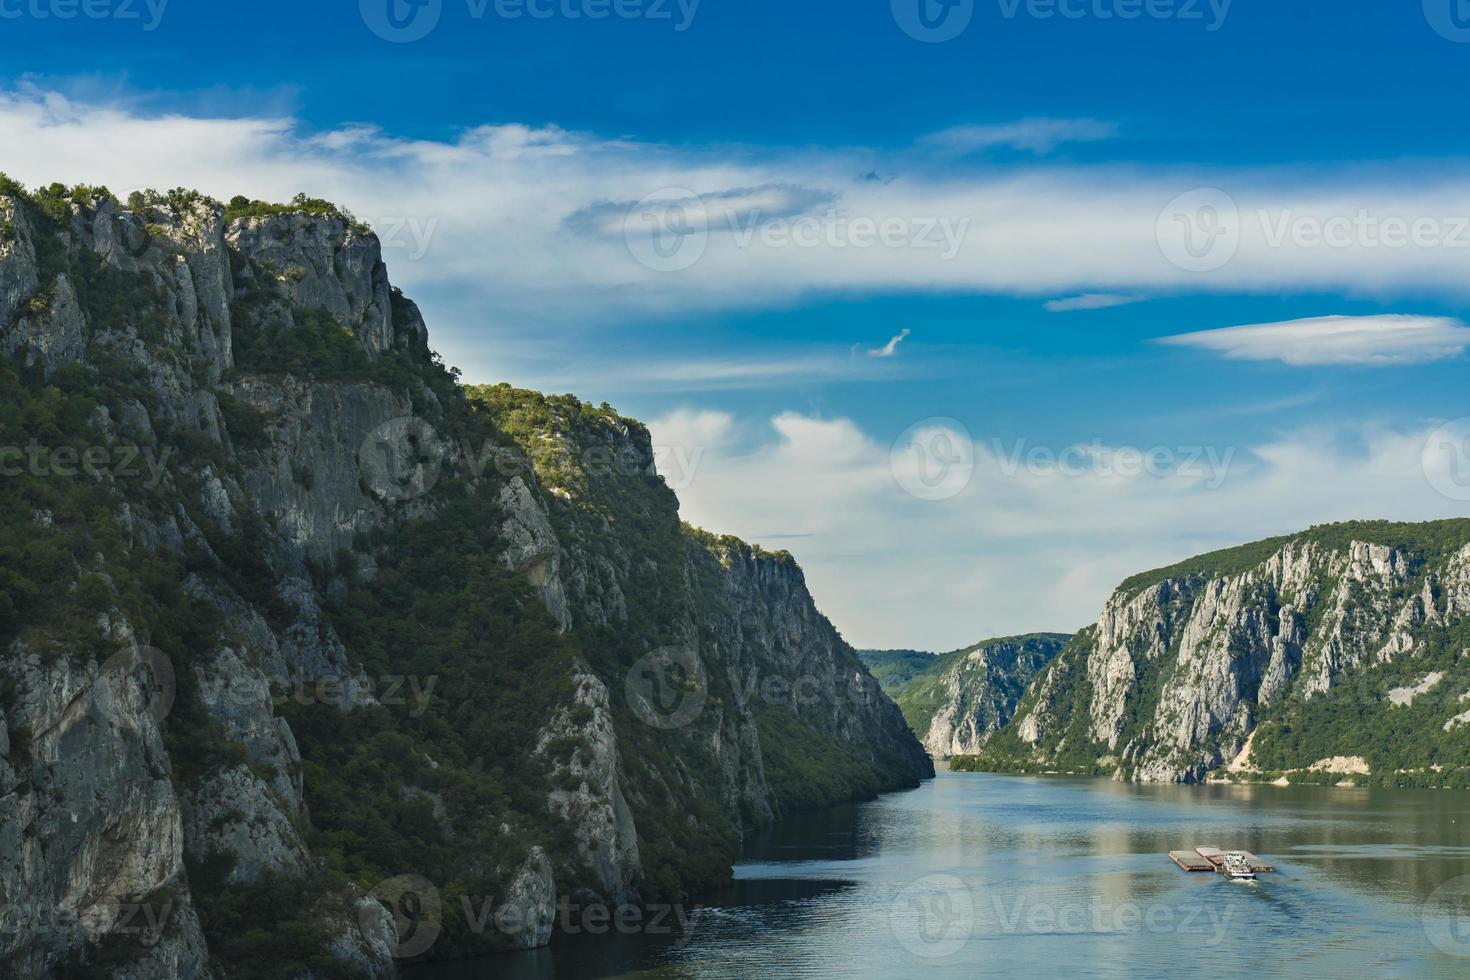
column 310, row 653
column 957, row 702
column 1342, row 653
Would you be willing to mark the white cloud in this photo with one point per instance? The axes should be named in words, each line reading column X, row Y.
column 1088, row 301
column 1023, row 547
column 682, row 440
column 508, row 224
column 694, row 429
column 701, row 372
column 1032, row 135
column 1372, row 341
column 891, row 348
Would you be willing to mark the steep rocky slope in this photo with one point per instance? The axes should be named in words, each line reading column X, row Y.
column 307, row 649
column 1335, row 654
column 956, row 703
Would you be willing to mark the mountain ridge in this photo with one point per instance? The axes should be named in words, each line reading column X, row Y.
column 1308, row 649
column 362, row 631
column 894, row 668
column 955, row 701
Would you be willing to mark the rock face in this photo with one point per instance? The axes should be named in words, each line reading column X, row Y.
column 225, row 636
column 715, row 649
column 1327, row 645
column 607, row 841
column 956, row 703
column 784, row 663
column 90, row 819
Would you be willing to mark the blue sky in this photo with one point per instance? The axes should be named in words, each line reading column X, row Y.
column 1025, row 162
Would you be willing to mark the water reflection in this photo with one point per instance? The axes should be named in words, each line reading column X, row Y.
column 987, row 875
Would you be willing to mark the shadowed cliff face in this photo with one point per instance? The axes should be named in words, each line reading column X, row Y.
column 313, row 628
column 1337, row 652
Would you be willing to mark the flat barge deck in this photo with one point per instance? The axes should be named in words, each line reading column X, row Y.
column 1190, row 861
column 1209, row 858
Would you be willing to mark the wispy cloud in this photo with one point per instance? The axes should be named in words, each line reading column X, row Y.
column 1031, row 135
column 708, row 371
column 1366, row 341
column 516, row 224
column 1089, row 301
column 891, row 348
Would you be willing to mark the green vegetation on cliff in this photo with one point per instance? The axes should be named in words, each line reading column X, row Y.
column 980, row 685
column 515, row 600
column 895, row 668
column 1356, row 651
column 1426, row 542
column 974, row 689
column 609, row 501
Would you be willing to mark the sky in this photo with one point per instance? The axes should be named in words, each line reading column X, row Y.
column 975, row 307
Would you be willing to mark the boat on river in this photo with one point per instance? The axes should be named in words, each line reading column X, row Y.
column 1207, row 859
column 1237, row 867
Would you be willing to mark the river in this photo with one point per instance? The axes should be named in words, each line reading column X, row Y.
column 1010, row 876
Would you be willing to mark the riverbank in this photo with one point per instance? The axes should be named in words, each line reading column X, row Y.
column 1356, row 774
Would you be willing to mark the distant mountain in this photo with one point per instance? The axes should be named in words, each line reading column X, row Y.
column 895, row 668
column 954, row 701
column 962, row 698
column 1338, row 654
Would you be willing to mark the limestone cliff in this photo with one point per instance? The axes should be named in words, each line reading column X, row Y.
column 1339, row 652
column 960, row 699
column 294, row 626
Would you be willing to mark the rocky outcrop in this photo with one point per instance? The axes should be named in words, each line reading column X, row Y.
column 90, row 825
column 52, row 330
column 321, row 262
column 768, row 631
column 327, row 474
column 532, row 548
column 956, row 703
column 589, row 794
column 286, row 424
column 1183, row 667
column 365, row 939
column 142, row 300
column 235, row 812
column 529, row 912
column 19, row 273
column 779, row 653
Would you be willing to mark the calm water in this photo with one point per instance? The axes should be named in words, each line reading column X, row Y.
column 983, row 875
